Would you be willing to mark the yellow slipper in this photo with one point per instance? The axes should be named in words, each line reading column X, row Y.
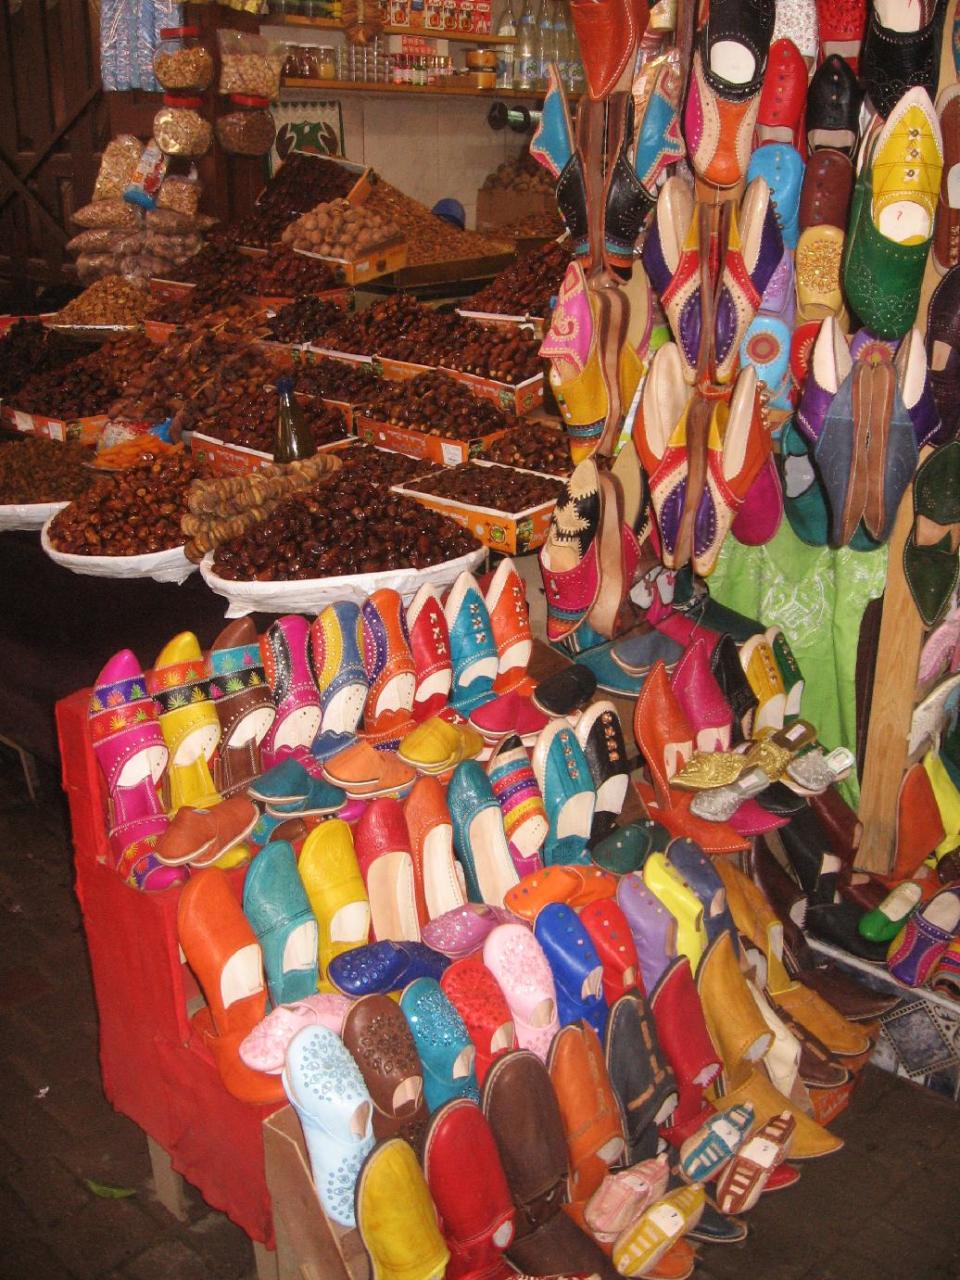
column 432, row 747
column 810, row 1139
column 818, row 265
column 641, row 1245
column 188, row 720
column 736, row 1026
column 666, row 884
column 396, row 1216
column 338, row 897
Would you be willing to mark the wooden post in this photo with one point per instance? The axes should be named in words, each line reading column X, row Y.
column 167, row 1183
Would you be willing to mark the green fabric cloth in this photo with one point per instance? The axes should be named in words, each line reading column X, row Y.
column 817, row 596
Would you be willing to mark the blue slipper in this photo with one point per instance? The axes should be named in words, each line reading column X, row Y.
column 478, row 835
column 569, row 796
column 334, row 1107
column 576, row 967
column 322, row 798
column 446, row 1051
column 381, row 967
column 336, row 656
column 473, row 650
column 699, row 875
column 286, row 782
column 276, row 904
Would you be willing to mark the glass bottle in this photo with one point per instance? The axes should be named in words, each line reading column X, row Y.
column 525, row 68
column 294, row 438
column 545, row 42
column 561, row 31
column 506, row 27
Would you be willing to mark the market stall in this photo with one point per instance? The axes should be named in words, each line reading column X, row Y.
column 503, row 828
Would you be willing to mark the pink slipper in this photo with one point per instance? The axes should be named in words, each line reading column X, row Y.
column 517, row 961
column 265, row 1048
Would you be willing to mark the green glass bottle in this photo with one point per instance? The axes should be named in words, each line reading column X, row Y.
column 294, row 439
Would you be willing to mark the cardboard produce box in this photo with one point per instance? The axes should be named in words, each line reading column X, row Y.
column 83, row 430
column 515, row 398
column 510, row 532
column 375, row 262
column 419, row 444
column 225, row 459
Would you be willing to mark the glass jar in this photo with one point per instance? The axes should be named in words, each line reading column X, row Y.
column 291, row 63
column 181, row 61
column 179, row 129
column 248, row 131
column 327, row 62
column 309, row 63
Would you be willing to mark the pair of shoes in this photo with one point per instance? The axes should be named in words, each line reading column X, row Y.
column 589, row 558
column 702, row 459
column 437, row 745
column 673, row 255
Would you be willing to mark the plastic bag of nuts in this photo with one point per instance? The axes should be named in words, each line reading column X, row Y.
column 249, row 65
column 120, row 157
column 180, row 194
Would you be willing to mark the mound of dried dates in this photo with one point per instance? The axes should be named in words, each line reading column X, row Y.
column 343, row 525
column 436, row 404
column 35, row 470
column 336, row 380
column 526, row 287
column 130, row 513
column 382, row 467
column 303, row 320
column 301, row 183
column 499, row 488
column 251, row 421
column 400, row 328
column 28, row 348
column 533, row 446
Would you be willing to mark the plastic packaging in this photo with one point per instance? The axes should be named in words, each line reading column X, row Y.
column 181, row 61
column 97, row 240
column 179, row 128
column 249, row 65
column 107, row 213
column 147, row 178
column 248, row 131
column 120, row 158
column 180, row 194
column 170, row 223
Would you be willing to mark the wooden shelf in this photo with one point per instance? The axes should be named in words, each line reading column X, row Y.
column 297, row 90
column 331, row 24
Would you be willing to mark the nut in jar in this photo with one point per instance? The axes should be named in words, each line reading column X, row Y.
column 249, row 65
column 180, row 130
column 180, row 61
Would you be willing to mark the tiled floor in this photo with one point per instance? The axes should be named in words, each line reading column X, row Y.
column 885, row 1208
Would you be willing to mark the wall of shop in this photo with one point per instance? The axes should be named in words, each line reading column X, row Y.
column 428, row 148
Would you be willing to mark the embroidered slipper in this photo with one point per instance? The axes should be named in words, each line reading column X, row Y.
column 334, row 1107
column 521, row 804
column 380, row 1042
column 390, row 669
column 600, row 734
column 241, row 696
column 430, row 647
column 506, row 601
column 382, row 967
column 462, row 931
column 337, row 659
column 563, row 775
column 188, row 720
column 283, row 647
column 473, row 649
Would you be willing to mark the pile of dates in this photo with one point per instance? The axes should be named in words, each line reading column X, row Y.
column 498, row 488
column 35, row 470
column 400, row 328
column 533, row 446
column 343, row 525
column 437, row 405
column 251, row 420
column 527, row 287
column 301, row 183
column 336, row 380
column 130, row 513
column 303, row 320
column 28, row 348
column 81, row 389
column 381, row 466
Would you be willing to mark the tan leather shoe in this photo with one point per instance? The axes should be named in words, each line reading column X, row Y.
column 736, row 1025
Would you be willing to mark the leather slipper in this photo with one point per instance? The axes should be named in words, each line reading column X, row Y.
column 565, row 691
column 276, row 904
column 386, row 864
column 382, row 1045
column 613, row 942
column 382, row 967
column 438, row 877
column 517, row 961
column 443, row 1043
column 463, row 930
column 338, row 898
column 475, row 994
column 577, row 971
